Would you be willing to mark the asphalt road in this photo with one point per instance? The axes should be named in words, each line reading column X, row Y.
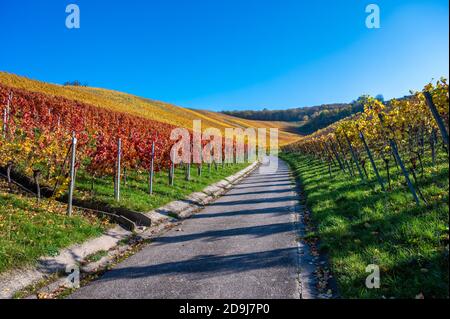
column 241, row 246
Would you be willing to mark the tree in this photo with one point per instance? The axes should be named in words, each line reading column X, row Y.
column 380, row 97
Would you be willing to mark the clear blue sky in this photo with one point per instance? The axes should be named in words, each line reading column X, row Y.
column 230, row 54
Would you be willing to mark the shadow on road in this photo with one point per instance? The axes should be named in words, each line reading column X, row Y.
column 256, row 231
column 274, row 211
column 210, row 264
column 263, row 200
column 279, row 191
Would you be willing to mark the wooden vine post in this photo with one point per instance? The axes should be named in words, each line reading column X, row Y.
column 433, row 146
column 172, row 173
column 328, row 154
column 72, row 174
column 374, row 166
column 8, row 172
column 36, row 177
column 118, row 164
column 5, row 120
column 341, row 147
column 199, row 168
column 400, row 163
column 333, row 149
column 6, row 115
column 188, row 165
column 355, row 159
column 437, row 117
column 152, row 167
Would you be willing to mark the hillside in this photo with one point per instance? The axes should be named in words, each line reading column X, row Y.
column 377, row 187
column 303, row 120
column 142, row 107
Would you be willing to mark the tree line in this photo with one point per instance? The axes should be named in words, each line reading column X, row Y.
column 310, row 119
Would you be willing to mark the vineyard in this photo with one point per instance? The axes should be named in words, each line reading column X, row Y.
column 100, row 162
column 377, row 187
column 144, row 108
column 112, row 148
column 37, row 133
column 376, row 182
column 397, row 134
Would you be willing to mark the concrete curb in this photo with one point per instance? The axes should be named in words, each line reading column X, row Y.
column 185, row 208
column 162, row 218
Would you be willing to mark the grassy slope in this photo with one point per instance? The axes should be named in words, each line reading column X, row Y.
column 359, row 225
column 29, row 230
column 159, row 111
column 134, row 195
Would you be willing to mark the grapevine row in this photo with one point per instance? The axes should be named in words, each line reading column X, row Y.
column 400, row 131
column 37, row 130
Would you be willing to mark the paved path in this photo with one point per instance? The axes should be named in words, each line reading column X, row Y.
column 241, row 246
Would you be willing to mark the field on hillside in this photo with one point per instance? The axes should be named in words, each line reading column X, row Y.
column 358, row 225
column 37, row 137
column 111, row 148
column 377, row 186
column 146, row 108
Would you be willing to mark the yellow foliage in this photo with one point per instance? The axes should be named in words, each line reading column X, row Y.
column 146, row 108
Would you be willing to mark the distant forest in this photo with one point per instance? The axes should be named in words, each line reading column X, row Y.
column 310, row 119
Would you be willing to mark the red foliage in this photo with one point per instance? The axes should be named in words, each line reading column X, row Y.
column 97, row 130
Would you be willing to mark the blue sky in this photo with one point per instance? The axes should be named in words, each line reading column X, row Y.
column 230, row 54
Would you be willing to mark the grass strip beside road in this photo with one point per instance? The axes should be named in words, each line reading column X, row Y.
column 134, row 195
column 29, row 230
column 358, row 225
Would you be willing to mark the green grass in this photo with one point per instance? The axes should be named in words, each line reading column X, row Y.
column 135, row 196
column 29, row 230
column 359, row 225
column 96, row 256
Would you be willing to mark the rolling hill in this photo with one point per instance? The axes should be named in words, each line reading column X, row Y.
column 146, row 108
column 303, row 120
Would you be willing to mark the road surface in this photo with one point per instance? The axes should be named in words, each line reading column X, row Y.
column 244, row 245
